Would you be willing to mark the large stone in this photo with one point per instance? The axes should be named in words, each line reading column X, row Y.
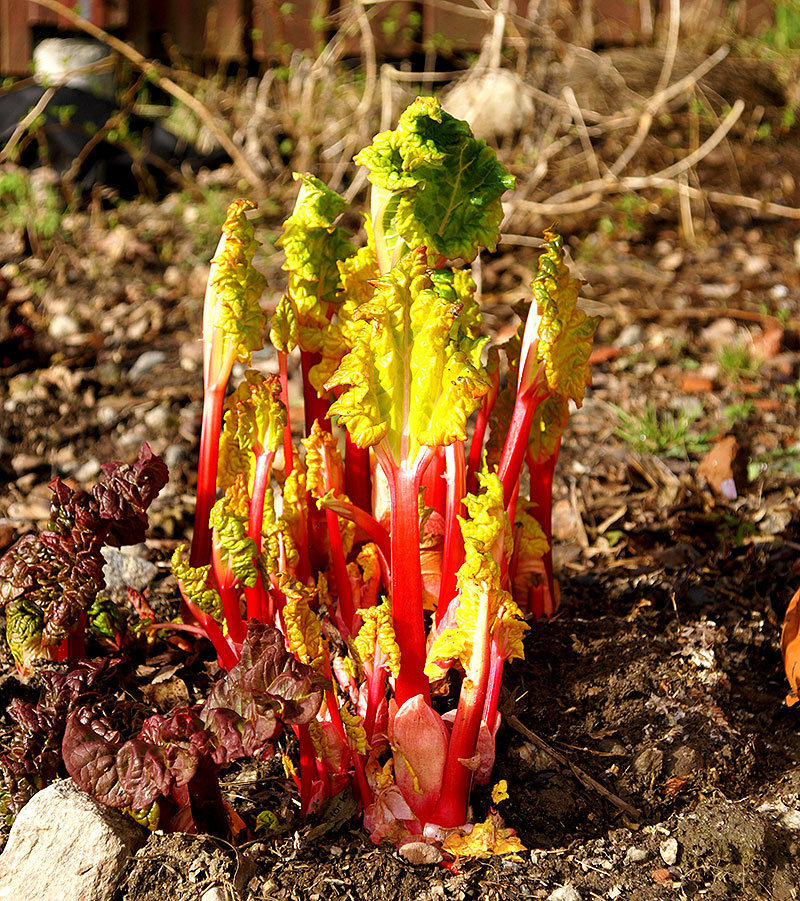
column 495, row 103
column 65, row 846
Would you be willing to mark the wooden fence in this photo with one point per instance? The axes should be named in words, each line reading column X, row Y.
column 237, row 31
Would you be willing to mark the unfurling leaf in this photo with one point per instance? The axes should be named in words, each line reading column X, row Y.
column 232, row 298
column 419, row 747
column 564, row 331
column 413, row 377
column 435, row 184
column 484, row 840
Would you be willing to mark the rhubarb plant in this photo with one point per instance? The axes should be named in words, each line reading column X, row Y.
column 395, row 524
column 377, row 543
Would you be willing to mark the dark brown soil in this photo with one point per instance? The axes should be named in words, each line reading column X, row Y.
column 650, row 711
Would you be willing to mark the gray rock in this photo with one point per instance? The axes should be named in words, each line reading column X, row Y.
column 635, row 855
column 56, row 59
column 564, row 893
column 65, row 846
column 124, row 567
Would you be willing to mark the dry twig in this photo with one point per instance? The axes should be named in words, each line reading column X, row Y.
column 584, row 778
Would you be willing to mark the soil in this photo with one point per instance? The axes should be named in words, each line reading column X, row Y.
column 646, row 743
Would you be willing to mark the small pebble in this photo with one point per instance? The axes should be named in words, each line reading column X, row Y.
column 157, row 418
column 62, row 326
column 175, row 454
column 88, row 471
column 564, row 893
column 755, row 265
column 630, row 335
column 668, row 849
column 420, row 853
column 635, row 855
column 106, row 414
column 145, row 364
column 671, row 261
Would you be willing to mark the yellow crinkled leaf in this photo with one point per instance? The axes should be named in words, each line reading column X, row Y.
column 549, row 421
column 303, row 632
column 193, row 583
column 500, row 792
column 235, row 286
column 485, row 840
column 377, row 628
column 565, row 332
column 413, row 376
column 356, row 733
column 530, row 538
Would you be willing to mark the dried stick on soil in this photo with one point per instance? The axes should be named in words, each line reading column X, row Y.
column 21, row 128
column 562, row 202
column 586, row 141
column 156, row 71
column 646, row 122
column 584, row 778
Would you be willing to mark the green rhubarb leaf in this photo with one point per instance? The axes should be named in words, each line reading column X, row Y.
column 193, row 581
column 313, row 246
column 24, row 626
column 235, row 286
column 565, row 332
column 256, row 417
column 283, row 332
column 228, row 519
column 105, row 618
column 484, row 606
column 435, row 184
column 549, row 422
column 413, row 377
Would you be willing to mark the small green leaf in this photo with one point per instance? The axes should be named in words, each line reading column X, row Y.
column 438, row 186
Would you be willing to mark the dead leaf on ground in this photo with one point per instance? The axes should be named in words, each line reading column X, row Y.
column 720, row 467
column 768, row 344
column 790, row 648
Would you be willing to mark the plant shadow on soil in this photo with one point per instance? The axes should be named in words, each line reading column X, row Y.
column 669, row 699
